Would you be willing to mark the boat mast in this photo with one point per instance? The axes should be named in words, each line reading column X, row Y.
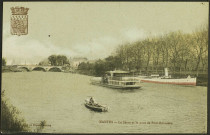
column 166, row 72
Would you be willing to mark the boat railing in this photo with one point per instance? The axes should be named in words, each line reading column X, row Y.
column 122, row 78
column 115, row 78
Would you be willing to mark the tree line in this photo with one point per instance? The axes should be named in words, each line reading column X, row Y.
column 99, row 67
column 55, row 60
column 177, row 51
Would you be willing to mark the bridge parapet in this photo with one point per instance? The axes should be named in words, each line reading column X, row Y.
column 38, row 67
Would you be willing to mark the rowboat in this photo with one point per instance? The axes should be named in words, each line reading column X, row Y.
column 95, row 106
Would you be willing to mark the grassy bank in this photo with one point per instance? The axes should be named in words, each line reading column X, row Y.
column 10, row 118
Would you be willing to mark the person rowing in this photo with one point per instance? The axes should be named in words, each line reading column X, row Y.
column 91, row 101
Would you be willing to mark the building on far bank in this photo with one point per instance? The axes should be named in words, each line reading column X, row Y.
column 75, row 61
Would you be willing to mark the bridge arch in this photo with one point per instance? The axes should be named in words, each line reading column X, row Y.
column 55, row 69
column 24, row 68
column 39, row 69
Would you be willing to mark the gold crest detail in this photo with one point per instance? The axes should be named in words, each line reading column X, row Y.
column 19, row 21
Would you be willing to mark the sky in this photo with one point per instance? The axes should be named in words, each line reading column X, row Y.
column 94, row 29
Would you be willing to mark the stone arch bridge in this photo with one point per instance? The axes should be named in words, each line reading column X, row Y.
column 40, row 68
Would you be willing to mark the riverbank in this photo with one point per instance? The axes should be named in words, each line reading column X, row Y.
column 13, row 122
column 10, row 118
column 11, row 69
column 86, row 72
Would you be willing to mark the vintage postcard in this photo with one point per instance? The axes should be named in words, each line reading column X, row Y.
column 104, row 67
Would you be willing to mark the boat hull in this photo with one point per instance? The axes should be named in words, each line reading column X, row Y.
column 117, row 86
column 184, row 81
column 98, row 109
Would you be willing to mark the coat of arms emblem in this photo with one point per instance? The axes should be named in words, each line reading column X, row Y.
column 19, row 21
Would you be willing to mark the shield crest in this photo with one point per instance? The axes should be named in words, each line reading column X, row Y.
column 19, row 21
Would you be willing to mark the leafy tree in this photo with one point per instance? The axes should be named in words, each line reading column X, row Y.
column 175, row 50
column 4, row 62
column 58, row 60
column 200, row 45
column 53, row 60
column 83, row 66
column 99, row 68
column 113, row 62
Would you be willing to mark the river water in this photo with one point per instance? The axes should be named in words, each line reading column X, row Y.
column 58, row 98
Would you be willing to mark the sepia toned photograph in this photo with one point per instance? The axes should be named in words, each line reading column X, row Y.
column 104, row 67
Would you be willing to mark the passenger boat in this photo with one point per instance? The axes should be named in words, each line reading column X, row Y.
column 117, row 79
column 167, row 79
column 95, row 106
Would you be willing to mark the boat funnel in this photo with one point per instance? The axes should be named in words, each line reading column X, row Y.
column 166, row 71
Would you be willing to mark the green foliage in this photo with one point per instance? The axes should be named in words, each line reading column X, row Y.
column 176, row 50
column 113, row 62
column 53, row 60
column 43, row 123
column 101, row 66
column 61, row 60
column 41, row 126
column 4, row 62
column 58, row 60
column 10, row 121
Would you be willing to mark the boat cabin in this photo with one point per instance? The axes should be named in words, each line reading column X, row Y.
column 118, row 77
column 117, row 73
